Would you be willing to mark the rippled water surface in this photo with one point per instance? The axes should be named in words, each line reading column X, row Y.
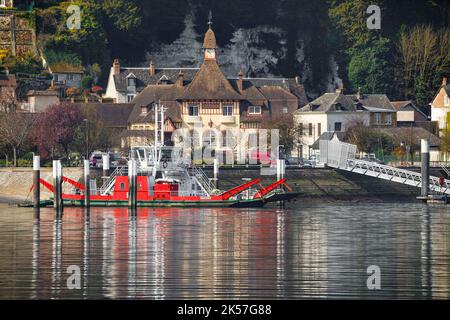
column 311, row 251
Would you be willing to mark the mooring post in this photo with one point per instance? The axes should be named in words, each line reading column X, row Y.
column 278, row 169
column 105, row 164
column 57, row 182
column 216, row 173
column 36, row 182
column 425, row 169
column 132, row 181
column 87, row 184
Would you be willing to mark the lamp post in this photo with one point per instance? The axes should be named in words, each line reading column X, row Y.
column 87, row 138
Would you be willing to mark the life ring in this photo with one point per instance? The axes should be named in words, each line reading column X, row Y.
column 165, row 164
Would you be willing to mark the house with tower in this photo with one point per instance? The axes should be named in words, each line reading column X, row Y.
column 202, row 97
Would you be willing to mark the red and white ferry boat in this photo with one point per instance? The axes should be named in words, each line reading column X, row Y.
column 165, row 182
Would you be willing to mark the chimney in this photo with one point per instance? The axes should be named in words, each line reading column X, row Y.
column 7, row 71
column 180, row 80
column 297, row 80
column 152, row 69
column 240, row 82
column 116, row 67
column 444, row 81
column 340, row 90
column 359, row 94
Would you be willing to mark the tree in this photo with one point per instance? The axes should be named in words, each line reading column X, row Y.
column 15, row 127
column 369, row 140
column 425, row 58
column 55, row 130
column 370, row 68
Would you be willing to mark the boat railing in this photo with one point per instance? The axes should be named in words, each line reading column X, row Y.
column 109, row 183
column 202, row 179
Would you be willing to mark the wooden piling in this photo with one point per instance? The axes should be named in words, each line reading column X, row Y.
column 87, row 186
column 36, row 182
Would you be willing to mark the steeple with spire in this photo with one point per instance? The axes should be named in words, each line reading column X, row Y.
column 210, row 43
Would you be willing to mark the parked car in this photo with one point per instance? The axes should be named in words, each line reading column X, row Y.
column 96, row 159
column 293, row 161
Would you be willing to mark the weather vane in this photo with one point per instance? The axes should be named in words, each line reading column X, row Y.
column 210, row 18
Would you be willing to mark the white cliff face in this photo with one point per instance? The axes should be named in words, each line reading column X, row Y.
column 256, row 50
column 249, row 50
column 186, row 51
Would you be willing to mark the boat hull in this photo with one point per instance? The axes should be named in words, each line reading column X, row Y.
column 253, row 203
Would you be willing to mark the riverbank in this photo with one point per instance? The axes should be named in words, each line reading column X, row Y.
column 316, row 184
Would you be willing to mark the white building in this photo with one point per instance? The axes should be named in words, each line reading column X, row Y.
column 331, row 112
column 125, row 83
column 440, row 106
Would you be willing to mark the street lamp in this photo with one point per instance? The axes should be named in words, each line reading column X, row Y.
column 87, row 138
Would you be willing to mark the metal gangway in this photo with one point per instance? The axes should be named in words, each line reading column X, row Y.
column 341, row 156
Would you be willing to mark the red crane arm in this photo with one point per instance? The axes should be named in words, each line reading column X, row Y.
column 74, row 183
column 261, row 193
column 47, row 185
column 232, row 192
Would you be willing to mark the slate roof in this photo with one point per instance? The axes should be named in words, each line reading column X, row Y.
column 113, row 114
column 144, row 79
column 330, row 102
column 374, row 102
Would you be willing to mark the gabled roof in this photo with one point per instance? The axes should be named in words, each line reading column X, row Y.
column 330, row 102
column 209, row 82
column 398, row 105
column 166, row 94
column 328, row 136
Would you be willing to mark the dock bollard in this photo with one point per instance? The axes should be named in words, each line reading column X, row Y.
column 57, row 183
column 36, row 182
column 216, row 173
column 425, row 168
column 132, row 184
column 87, row 185
column 105, row 164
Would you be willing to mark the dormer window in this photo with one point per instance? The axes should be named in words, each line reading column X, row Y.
column 131, row 81
column 164, row 79
column 254, row 110
column 144, row 110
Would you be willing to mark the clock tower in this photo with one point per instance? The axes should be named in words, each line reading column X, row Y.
column 209, row 43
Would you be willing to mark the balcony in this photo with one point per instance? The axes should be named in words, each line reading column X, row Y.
column 193, row 119
column 228, row 119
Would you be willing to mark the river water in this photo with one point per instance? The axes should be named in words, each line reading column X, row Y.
column 314, row 250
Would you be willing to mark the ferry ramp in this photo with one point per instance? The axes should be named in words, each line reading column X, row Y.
column 341, row 156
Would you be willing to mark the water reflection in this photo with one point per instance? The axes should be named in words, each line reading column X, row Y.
column 313, row 252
